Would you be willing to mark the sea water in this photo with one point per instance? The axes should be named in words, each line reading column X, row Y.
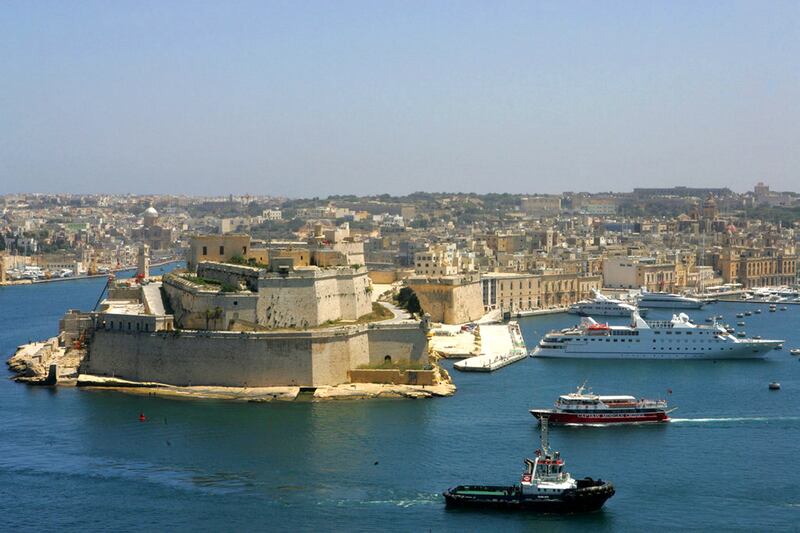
column 80, row 459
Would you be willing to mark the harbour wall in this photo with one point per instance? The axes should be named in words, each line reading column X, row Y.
column 249, row 359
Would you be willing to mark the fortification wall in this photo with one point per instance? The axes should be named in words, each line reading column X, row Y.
column 229, row 359
column 234, row 275
column 263, row 359
column 189, row 305
column 402, row 343
column 335, row 355
column 287, row 303
column 393, row 376
column 353, row 296
column 308, row 298
column 450, row 302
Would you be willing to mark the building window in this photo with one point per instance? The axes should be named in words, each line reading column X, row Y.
column 221, row 250
column 205, row 250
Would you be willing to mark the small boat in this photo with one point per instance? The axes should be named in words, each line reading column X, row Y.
column 709, row 319
column 774, row 386
column 544, row 487
column 795, row 351
column 729, row 329
column 748, row 313
column 784, row 308
column 758, row 312
column 757, row 337
column 739, row 315
column 740, row 323
column 741, row 334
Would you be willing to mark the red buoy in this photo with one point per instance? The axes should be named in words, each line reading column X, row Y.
column 142, row 418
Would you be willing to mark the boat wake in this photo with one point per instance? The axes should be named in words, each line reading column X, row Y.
column 735, row 419
column 411, row 501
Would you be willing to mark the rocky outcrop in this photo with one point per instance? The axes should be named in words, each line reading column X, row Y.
column 32, row 362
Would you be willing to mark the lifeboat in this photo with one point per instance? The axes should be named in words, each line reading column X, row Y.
column 598, row 329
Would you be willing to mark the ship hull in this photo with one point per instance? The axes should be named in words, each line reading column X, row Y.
column 729, row 351
column 658, row 304
column 563, row 418
column 589, row 496
column 592, row 312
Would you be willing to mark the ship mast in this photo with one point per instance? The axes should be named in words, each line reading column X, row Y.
column 545, row 436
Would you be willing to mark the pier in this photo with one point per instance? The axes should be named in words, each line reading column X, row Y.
column 502, row 345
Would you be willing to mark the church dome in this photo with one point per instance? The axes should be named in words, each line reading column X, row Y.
column 150, row 212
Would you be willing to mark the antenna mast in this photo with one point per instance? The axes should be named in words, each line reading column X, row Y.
column 545, row 435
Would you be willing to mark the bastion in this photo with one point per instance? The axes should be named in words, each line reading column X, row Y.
column 235, row 326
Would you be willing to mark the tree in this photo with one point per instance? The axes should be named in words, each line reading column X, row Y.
column 407, row 299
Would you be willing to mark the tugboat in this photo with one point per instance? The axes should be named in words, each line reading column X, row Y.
column 579, row 408
column 544, row 487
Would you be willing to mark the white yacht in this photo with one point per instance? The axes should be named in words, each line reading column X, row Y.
column 678, row 338
column 602, row 306
column 667, row 300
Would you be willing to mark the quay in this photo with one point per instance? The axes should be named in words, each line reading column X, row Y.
column 87, row 276
column 503, row 345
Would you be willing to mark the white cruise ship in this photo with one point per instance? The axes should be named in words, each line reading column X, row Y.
column 667, row 300
column 678, row 338
column 603, row 306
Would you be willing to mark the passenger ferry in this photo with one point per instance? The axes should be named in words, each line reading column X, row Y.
column 580, row 407
column 669, row 301
column 678, row 338
column 602, row 306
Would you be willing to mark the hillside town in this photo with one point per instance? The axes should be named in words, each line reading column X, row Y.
column 463, row 255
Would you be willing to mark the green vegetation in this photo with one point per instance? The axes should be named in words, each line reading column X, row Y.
column 407, row 299
column 197, row 280
column 378, row 313
column 250, row 261
column 786, row 216
column 211, row 283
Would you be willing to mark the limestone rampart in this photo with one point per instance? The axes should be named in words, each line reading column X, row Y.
column 197, row 308
column 310, row 297
column 400, row 342
column 224, row 359
column 392, row 376
column 452, row 300
column 249, row 359
column 230, row 274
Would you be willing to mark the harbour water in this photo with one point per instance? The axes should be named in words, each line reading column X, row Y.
column 81, row 459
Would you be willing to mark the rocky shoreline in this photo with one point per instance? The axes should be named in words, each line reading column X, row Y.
column 348, row 391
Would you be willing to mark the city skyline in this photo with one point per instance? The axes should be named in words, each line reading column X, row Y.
column 312, row 99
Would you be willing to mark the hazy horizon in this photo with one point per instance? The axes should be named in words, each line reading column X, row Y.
column 317, row 99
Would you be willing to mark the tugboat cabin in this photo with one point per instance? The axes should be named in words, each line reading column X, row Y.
column 545, row 475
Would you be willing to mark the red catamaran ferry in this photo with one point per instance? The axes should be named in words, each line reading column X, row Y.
column 582, row 407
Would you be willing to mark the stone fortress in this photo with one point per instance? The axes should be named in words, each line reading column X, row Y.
column 269, row 322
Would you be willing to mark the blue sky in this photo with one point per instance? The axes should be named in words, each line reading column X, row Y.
column 318, row 98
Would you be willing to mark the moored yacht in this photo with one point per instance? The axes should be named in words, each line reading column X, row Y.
column 667, row 300
column 678, row 338
column 602, row 306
